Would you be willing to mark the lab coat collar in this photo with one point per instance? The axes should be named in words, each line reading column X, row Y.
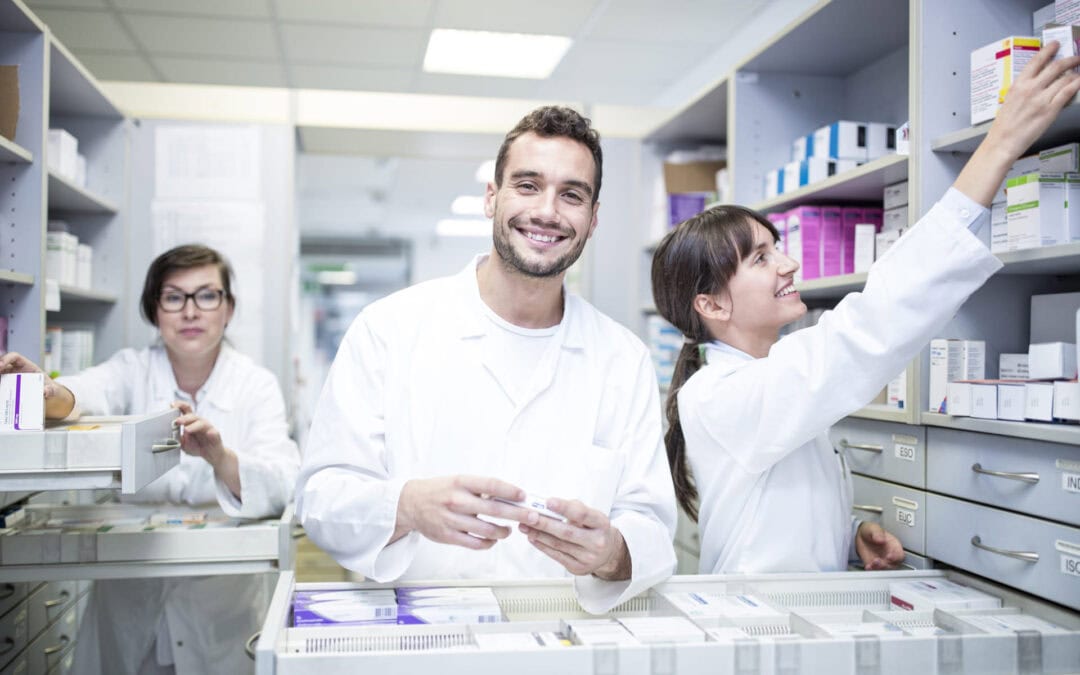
column 716, row 352
column 472, row 323
column 218, row 389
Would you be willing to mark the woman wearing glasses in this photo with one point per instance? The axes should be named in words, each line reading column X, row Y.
column 237, row 454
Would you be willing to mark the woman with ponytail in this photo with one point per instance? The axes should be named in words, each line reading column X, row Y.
column 749, row 413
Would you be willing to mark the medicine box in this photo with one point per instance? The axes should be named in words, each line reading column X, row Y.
column 1052, row 361
column 993, row 70
column 1053, row 317
column 895, row 195
column 22, row 402
column 895, row 219
column 84, row 271
column 1036, row 210
column 1041, row 17
column 952, row 360
column 1013, row 367
column 883, row 241
column 864, row 247
column 984, row 400
column 802, row 148
column 686, row 205
column 999, row 228
column 842, row 140
column 1062, row 159
column 959, row 397
column 694, row 176
column 1071, row 231
column 1068, row 38
column 880, row 140
column 1010, row 401
column 851, row 217
column 896, row 391
column 1067, row 12
column 804, row 240
column 774, row 183
column 919, row 594
column 1039, row 401
column 832, row 241
column 791, row 177
column 1024, row 165
column 63, row 151
column 1067, row 401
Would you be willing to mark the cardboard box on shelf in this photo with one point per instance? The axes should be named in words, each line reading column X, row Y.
column 691, row 176
column 9, row 101
column 993, row 70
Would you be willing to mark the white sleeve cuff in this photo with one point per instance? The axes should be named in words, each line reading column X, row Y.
column 964, row 209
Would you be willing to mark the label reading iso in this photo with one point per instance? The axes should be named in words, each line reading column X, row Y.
column 1070, row 565
column 906, row 517
column 905, row 452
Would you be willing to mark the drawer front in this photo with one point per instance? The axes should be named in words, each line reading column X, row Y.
column 51, row 647
column 900, row 510
column 1038, row 478
column 885, row 450
column 150, row 448
column 13, row 632
column 916, row 562
column 1052, row 567
column 20, row 666
column 12, row 594
column 49, row 602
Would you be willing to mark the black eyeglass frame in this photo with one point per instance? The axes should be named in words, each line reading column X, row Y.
column 219, row 292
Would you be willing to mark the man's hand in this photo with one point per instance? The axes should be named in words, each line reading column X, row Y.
column 445, row 510
column 59, row 402
column 585, row 544
column 878, row 549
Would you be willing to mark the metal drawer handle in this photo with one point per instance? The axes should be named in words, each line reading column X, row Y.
column 64, row 595
column 57, row 648
column 9, row 644
column 1025, row 477
column 298, row 532
column 868, row 508
column 249, row 646
column 1026, row 556
column 165, row 445
column 861, row 446
column 9, row 590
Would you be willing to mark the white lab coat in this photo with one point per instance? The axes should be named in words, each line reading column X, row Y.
column 202, row 621
column 412, row 394
column 775, row 496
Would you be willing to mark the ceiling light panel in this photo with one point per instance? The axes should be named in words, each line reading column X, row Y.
column 468, row 52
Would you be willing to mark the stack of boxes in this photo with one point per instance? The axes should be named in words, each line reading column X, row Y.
column 1042, row 201
column 830, row 150
column 825, row 240
column 64, row 157
column 68, row 350
column 691, row 180
column 67, row 261
column 1039, row 385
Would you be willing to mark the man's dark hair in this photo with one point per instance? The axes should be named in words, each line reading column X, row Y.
column 554, row 121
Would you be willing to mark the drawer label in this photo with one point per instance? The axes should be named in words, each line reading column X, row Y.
column 905, row 452
column 906, row 517
column 1070, row 482
column 1070, row 565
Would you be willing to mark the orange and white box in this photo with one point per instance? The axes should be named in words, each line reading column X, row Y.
column 993, row 70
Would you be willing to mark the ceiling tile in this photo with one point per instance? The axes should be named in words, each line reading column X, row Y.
column 307, row 43
column 351, row 77
column 618, row 90
column 120, row 67
column 87, row 29
column 404, row 13
column 204, row 36
column 598, row 59
column 255, row 9
column 465, row 85
column 67, row 4
column 555, row 17
column 697, row 22
column 227, row 72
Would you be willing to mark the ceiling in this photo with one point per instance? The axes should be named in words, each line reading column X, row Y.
column 625, row 52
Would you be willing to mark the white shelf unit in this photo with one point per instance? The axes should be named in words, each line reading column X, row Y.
column 793, row 640
column 896, row 61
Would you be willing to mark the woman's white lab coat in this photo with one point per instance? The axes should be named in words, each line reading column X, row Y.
column 413, row 393
column 199, row 623
column 774, row 495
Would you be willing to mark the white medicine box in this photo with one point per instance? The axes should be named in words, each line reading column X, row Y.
column 993, row 70
column 953, row 360
column 1067, row 401
column 984, row 402
column 22, row 402
column 1010, row 401
column 1067, row 37
column 959, row 397
column 1039, row 401
column 1052, row 361
column 1013, row 367
column 1036, row 210
column 842, row 140
column 895, row 195
column 1062, row 159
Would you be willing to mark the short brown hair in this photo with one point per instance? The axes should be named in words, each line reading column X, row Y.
column 555, row 121
column 183, row 257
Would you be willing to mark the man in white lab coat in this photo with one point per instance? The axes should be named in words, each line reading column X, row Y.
column 496, row 384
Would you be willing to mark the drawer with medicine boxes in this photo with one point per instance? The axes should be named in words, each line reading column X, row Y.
column 130, row 540
column 1034, row 555
column 899, row 509
column 126, row 452
column 889, row 623
column 887, row 450
column 1033, row 477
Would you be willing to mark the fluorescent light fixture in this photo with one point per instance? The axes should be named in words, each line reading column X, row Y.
column 336, row 277
column 468, row 205
column 476, row 52
column 485, row 173
column 462, row 227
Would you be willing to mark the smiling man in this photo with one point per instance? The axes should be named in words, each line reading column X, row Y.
column 455, row 403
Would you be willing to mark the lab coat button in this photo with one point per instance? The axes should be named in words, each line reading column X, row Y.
column 964, row 213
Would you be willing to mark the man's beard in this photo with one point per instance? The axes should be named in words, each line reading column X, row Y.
column 540, row 270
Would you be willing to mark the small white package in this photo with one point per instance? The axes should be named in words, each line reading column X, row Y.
column 661, row 629
column 864, row 246
column 1052, row 361
column 919, row 594
column 22, row 402
column 1039, row 401
column 895, row 195
column 1013, row 367
column 1067, row 401
column 1010, row 401
column 984, row 400
column 703, row 604
column 959, row 399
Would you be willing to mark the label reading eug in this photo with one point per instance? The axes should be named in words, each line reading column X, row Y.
column 905, row 452
column 906, row 517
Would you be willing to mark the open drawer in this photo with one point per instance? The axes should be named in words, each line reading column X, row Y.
column 125, row 452
column 842, row 623
column 112, row 541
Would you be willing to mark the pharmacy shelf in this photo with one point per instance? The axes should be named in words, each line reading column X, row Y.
column 883, row 413
column 864, row 183
column 73, row 90
column 16, row 278
column 75, row 294
column 132, row 570
column 1063, row 130
column 1053, row 433
column 1060, row 259
column 703, row 120
column 66, row 196
column 831, row 287
column 13, row 152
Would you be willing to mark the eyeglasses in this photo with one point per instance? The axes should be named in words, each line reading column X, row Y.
column 206, row 299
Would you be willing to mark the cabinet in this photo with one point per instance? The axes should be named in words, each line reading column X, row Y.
column 910, row 61
column 796, row 630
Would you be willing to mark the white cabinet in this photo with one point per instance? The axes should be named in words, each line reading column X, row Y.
column 799, row 632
